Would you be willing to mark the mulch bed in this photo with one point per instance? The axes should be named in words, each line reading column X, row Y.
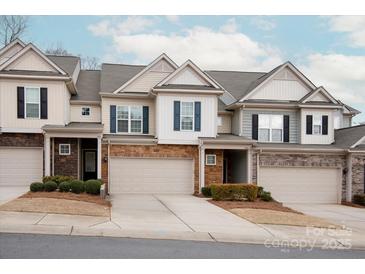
column 82, row 197
column 352, row 204
column 258, row 204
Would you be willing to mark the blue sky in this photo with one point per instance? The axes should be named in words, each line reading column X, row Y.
column 330, row 50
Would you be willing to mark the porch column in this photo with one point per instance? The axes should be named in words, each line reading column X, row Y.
column 249, row 166
column 99, row 158
column 47, row 155
column 202, row 167
column 348, row 178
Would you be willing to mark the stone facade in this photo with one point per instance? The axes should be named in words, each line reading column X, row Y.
column 66, row 164
column 358, row 176
column 154, row 151
column 214, row 174
column 21, row 139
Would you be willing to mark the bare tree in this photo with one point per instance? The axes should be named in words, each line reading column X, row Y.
column 57, row 49
column 91, row 63
column 12, row 27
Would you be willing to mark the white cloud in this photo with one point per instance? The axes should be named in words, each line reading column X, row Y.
column 354, row 26
column 210, row 49
column 230, row 26
column 342, row 75
column 263, row 23
column 173, row 18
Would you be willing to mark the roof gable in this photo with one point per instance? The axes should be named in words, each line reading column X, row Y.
column 10, row 49
column 149, row 76
column 31, row 58
column 319, row 95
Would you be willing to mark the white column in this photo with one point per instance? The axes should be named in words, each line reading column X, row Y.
column 99, row 157
column 47, row 155
column 348, row 178
column 202, row 167
column 249, row 166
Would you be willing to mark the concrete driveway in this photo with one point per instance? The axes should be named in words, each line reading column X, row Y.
column 178, row 213
column 351, row 217
column 8, row 193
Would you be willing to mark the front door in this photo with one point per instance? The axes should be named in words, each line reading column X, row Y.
column 89, row 164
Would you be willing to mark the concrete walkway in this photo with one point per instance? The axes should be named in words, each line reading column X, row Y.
column 8, row 193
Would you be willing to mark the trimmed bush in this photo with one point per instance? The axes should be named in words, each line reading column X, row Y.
column 266, row 196
column 65, row 186
column 234, row 192
column 260, row 190
column 93, row 187
column 206, row 191
column 77, row 186
column 37, row 186
column 57, row 179
column 50, row 186
column 359, row 199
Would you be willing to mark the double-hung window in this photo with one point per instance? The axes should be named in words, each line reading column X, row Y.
column 32, row 102
column 85, row 111
column 187, row 116
column 270, row 128
column 317, row 124
column 129, row 119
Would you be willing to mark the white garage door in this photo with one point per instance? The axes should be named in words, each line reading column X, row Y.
column 20, row 166
column 302, row 185
column 136, row 175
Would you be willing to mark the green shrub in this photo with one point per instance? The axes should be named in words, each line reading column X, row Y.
column 57, row 179
column 266, row 196
column 260, row 190
column 50, row 186
column 77, row 186
column 93, row 187
column 359, row 199
column 234, row 192
column 37, row 186
column 206, row 191
column 65, row 186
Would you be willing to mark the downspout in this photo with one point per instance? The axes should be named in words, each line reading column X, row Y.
column 258, row 166
column 349, row 177
column 108, row 192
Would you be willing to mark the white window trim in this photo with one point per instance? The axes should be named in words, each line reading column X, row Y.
column 84, row 114
column 320, row 124
column 270, row 129
column 207, row 162
column 25, row 102
column 62, row 153
column 129, row 119
column 192, row 116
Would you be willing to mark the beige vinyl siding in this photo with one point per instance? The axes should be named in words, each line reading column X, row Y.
column 30, row 61
column 95, row 114
column 105, row 107
column 226, row 123
column 294, row 126
column 58, row 104
column 10, row 52
column 347, row 121
column 236, row 124
column 188, row 77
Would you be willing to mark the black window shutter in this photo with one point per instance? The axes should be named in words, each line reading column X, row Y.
column 255, row 126
column 177, row 115
column 145, row 119
column 113, row 119
column 286, row 128
column 44, row 103
column 309, row 124
column 197, row 118
column 324, row 125
column 20, row 105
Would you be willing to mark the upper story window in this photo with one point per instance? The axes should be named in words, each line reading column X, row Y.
column 32, row 102
column 129, row 119
column 187, row 116
column 270, row 128
column 317, row 124
column 85, row 111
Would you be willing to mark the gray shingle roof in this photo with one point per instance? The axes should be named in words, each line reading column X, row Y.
column 67, row 63
column 31, row 72
column 192, row 87
column 88, row 86
column 114, row 76
column 346, row 137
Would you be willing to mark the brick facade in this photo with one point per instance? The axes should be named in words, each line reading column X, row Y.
column 21, row 139
column 214, row 174
column 358, row 168
column 154, row 151
column 66, row 164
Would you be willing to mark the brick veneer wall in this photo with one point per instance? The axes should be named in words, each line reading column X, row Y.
column 214, row 174
column 158, row 151
column 358, row 166
column 21, row 140
column 66, row 164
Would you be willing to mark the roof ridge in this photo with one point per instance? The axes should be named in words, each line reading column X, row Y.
column 240, row 71
column 130, row 65
column 55, row 55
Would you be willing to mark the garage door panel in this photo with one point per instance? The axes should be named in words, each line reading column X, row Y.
column 20, row 166
column 301, row 185
column 141, row 175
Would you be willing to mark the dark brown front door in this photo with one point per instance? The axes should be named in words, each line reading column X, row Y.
column 89, row 164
